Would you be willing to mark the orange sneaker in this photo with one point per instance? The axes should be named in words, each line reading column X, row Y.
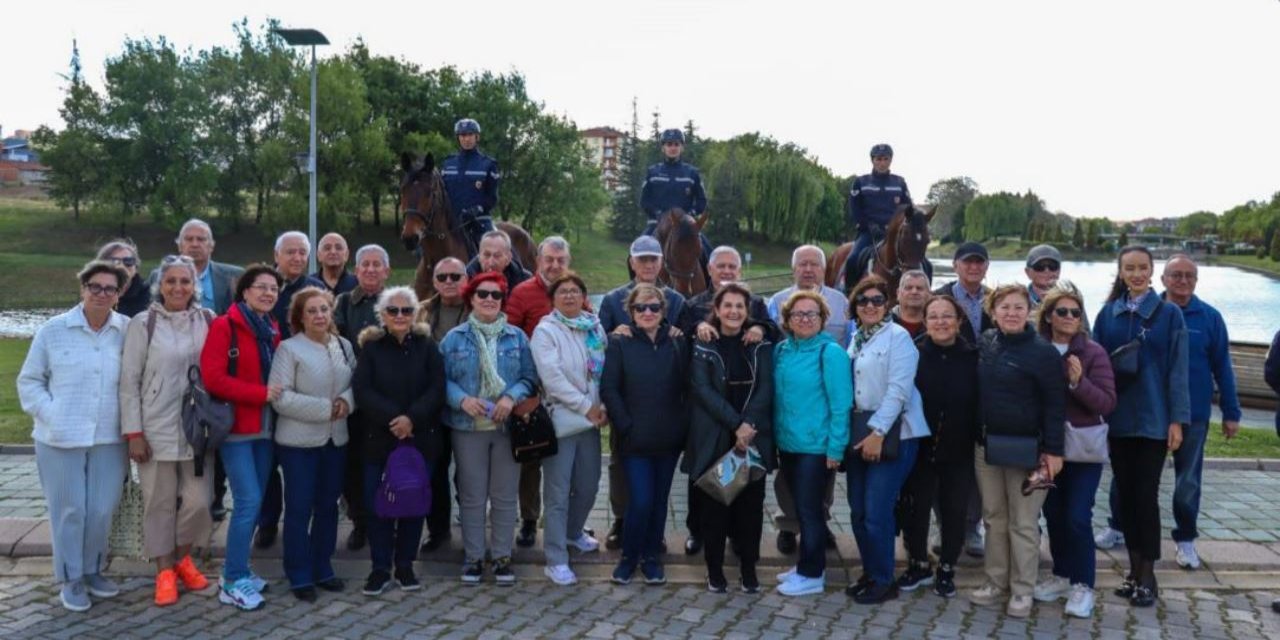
column 166, row 588
column 191, row 577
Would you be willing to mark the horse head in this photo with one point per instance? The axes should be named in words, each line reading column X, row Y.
column 421, row 195
column 677, row 232
column 909, row 232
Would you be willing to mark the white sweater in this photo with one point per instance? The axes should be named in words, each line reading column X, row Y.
column 313, row 375
column 560, row 356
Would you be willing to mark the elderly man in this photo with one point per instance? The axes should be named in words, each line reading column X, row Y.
column 1044, row 266
column 332, row 255
column 646, row 263
column 1209, row 362
column 726, row 267
column 808, row 267
column 495, row 255
column 217, row 279
column 913, row 292
column 970, row 263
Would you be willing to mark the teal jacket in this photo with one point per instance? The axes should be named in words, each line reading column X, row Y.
column 813, row 393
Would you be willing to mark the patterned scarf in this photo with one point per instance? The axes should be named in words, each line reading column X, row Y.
column 865, row 334
column 264, row 334
column 491, row 384
column 593, row 335
column 1132, row 304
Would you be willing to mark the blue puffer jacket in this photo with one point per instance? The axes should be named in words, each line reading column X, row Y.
column 461, row 351
column 813, row 393
column 875, row 197
column 1160, row 396
column 471, row 178
column 672, row 184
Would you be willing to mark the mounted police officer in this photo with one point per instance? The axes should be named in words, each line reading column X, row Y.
column 673, row 184
column 471, row 179
column 873, row 199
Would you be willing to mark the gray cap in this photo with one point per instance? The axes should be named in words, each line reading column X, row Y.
column 646, row 246
column 1043, row 252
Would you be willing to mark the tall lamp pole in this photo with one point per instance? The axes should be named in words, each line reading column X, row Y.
column 312, row 38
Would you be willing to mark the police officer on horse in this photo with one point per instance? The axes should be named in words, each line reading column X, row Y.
column 471, row 179
column 673, row 184
column 873, row 199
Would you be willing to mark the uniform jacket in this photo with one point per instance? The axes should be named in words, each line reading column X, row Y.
column 153, row 376
column 471, row 179
column 672, row 184
column 875, row 197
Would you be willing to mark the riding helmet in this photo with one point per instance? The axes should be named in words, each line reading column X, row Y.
column 673, row 135
column 882, row 150
column 466, row 125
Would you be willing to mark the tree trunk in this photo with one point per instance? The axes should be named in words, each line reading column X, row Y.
column 377, row 210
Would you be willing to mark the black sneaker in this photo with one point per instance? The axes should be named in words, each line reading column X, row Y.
column 831, row 538
column 406, row 579
column 1126, row 589
column 944, row 583
column 653, row 572
column 502, row 573
column 265, row 537
column 856, row 589
column 750, row 583
column 916, row 576
column 786, row 542
column 357, row 539
column 877, row 593
column 1142, row 597
column 305, row 594
column 692, row 545
column 472, row 572
column 218, row 512
column 613, row 541
column 435, row 541
column 377, row 583
column 332, row 585
column 528, row 533
column 716, row 582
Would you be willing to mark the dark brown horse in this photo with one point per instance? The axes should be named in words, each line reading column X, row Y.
column 682, row 268
column 428, row 223
column 903, row 248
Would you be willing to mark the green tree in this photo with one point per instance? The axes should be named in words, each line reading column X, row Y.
column 951, row 196
column 1197, row 225
column 1275, row 247
column 74, row 155
column 1077, row 235
column 1124, row 239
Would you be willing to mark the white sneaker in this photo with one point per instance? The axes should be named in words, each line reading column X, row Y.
column 1018, row 607
column 584, row 543
column 1052, row 589
column 241, row 595
column 802, row 586
column 560, row 574
column 787, row 576
column 1187, row 557
column 1108, row 538
column 987, row 595
column 1080, row 604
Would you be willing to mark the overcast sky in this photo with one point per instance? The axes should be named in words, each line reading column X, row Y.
column 1105, row 108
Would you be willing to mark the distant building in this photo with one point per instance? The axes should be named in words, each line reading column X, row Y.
column 605, row 143
column 1166, row 225
column 19, row 163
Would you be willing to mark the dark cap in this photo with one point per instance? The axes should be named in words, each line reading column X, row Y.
column 970, row 249
column 1043, row 252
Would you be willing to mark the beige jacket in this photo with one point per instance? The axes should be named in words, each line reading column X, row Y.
column 312, row 376
column 153, row 376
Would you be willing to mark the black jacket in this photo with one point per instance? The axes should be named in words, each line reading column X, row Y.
column 644, row 389
column 947, row 378
column 698, row 308
column 1022, row 388
column 713, row 421
column 394, row 378
column 135, row 298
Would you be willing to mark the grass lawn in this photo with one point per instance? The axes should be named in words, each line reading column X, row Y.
column 15, row 426
column 1253, row 263
column 1248, row 443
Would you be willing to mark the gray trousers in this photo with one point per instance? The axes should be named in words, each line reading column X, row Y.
column 487, row 476
column 82, row 486
column 570, row 480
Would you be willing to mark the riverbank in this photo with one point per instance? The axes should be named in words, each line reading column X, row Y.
column 1016, row 249
column 1252, row 264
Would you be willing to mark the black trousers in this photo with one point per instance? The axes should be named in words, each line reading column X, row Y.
column 438, row 521
column 353, row 474
column 273, row 497
column 219, row 479
column 1136, row 464
column 742, row 521
column 693, row 520
column 946, row 483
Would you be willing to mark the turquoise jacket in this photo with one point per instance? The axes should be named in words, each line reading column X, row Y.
column 813, row 392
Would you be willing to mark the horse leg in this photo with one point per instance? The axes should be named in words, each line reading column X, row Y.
column 853, row 264
column 705, row 260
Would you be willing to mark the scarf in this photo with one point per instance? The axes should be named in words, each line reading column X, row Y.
column 491, row 384
column 864, row 334
column 1132, row 304
column 264, row 334
column 593, row 336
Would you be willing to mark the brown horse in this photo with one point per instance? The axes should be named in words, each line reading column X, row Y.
column 903, row 248
column 682, row 268
column 428, row 223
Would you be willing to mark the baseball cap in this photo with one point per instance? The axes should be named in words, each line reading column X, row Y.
column 970, row 249
column 1043, row 252
column 646, row 246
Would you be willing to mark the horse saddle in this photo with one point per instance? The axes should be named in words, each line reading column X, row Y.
column 864, row 262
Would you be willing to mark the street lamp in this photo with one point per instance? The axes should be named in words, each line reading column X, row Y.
column 305, row 37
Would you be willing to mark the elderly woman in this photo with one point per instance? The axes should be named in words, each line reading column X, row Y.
column 644, row 389
column 1152, row 405
column 568, row 348
column 313, row 370
column 731, row 382
column 399, row 385
column 1068, row 509
column 1022, row 395
column 160, row 346
column 236, row 363
column 136, row 297
column 69, row 385
column 490, row 369
column 885, row 399
column 811, row 426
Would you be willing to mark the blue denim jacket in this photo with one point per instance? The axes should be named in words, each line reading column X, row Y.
column 461, row 351
column 1161, row 395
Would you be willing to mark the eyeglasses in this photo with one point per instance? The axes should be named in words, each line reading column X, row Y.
column 1063, row 312
column 805, row 315
column 398, row 311
column 448, row 277
column 875, row 301
column 651, row 307
column 128, row 262
column 265, row 288
column 101, row 290
column 485, row 294
column 940, row 318
column 1041, row 267
column 1181, row 275
column 318, row 311
column 568, row 293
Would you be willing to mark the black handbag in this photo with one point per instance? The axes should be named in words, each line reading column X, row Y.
column 1019, row 452
column 860, row 428
column 533, row 435
column 1126, row 359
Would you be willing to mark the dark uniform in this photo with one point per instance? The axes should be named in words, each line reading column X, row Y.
column 674, row 184
column 873, row 199
column 471, row 179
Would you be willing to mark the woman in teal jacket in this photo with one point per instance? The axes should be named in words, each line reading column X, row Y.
column 811, row 425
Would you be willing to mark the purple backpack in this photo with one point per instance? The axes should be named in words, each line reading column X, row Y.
column 405, row 490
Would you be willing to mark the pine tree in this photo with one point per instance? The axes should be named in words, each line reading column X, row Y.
column 1275, row 247
column 1077, row 236
column 627, row 220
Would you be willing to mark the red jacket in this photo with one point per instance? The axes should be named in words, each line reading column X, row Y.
column 529, row 303
column 245, row 391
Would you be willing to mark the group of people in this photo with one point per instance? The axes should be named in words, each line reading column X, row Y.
column 1001, row 396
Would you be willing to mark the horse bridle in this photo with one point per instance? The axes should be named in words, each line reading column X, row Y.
column 427, row 220
column 688, row 276
column 899, row 267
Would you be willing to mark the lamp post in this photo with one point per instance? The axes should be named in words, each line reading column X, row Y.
column 311, row 37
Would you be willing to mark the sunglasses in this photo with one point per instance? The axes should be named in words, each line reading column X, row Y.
column 651, row 307
column 1063, row 312
column 128, row 262
column 448, row 277
column 875, row 301
column 399, row 311
column 1041, row 267
column 485, row 294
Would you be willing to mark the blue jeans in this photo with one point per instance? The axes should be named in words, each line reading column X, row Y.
column 388, row 536
column 648, row 486
column 311, row 489
column 873, row 493
column 1068, row 512
column 806, row 474
column 1188, row 468
column 247, row 463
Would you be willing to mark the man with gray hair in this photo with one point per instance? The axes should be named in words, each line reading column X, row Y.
column 808, row 268
column 495, row 255
column 217, row 279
